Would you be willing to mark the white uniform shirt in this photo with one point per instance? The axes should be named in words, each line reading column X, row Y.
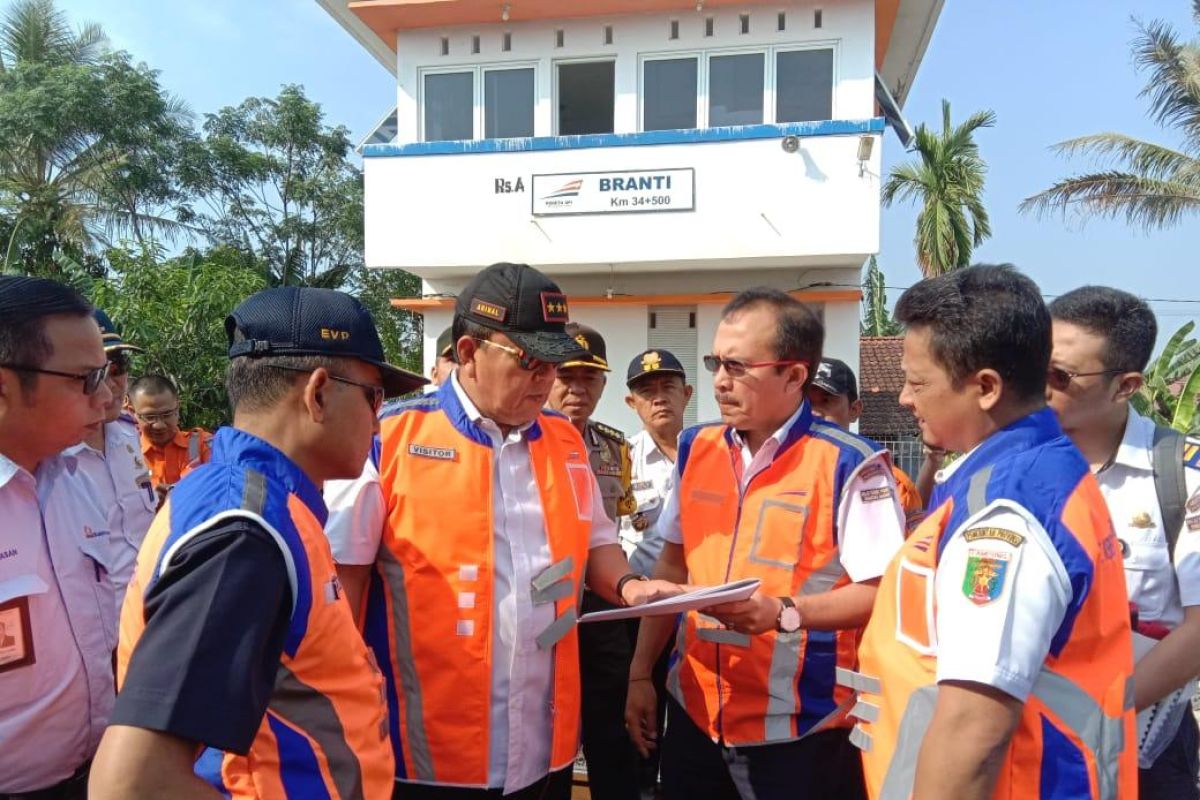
column 869, row 531
column 58, row 609
column 1001, row 642
column 522, row 674
column 1159, row 588
column 653, row 476
column 123, row 482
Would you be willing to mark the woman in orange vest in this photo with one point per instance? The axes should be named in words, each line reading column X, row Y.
column 998, row 660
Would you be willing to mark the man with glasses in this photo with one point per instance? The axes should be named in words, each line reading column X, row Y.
column 169, row 452
column 470, row 534
column 1150, row 478
column 241, row 671
column 773, row 493
column 56, row 599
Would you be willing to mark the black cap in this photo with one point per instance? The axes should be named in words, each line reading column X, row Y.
column 112, row 335
column 303, row 321
column 653, row 362
column 837, row 378
column 523, row 304
column 589, row 339
column 445, row 343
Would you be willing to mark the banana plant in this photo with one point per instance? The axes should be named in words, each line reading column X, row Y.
column 1171, row 393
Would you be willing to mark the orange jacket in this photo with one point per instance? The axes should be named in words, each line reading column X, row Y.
column 772, row 687
column 1076, row 734
column 430, row 604
column 325, row 730
column 168, row 464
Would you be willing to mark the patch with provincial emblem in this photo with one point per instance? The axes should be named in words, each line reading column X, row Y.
column 1008, row 537
column 986, row 572
column 871, row 495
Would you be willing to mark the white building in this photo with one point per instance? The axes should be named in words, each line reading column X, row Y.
column 653, row 156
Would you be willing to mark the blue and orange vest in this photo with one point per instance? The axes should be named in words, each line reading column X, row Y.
column 1076, row 734
column 324, row 734
column 430, row 604
column 782, row 529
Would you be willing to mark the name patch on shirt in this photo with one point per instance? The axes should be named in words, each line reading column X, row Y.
column 1193, row 524
column 9, row 553
column 1193, row 503
column 1006, row 536
column 873, row 471
column 440, row 453
column 880, row 493
column 986, row 572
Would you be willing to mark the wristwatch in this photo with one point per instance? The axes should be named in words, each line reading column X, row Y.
column 788, row 620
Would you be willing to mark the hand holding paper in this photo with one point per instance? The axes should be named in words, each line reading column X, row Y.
column 703, row 597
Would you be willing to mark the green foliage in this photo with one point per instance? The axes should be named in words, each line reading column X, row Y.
column 176, row 310
column 947, row 181
column 1152, row 186
column 1171, row 393
column 400, row 330
column 877, row 320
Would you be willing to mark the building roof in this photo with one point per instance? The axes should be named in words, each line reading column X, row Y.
column 880, row 381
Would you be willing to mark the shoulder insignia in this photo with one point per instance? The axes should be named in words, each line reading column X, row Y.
column 1191, row 454
column 1008, row 537
column 607, row 432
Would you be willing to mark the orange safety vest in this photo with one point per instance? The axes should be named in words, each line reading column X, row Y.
column 1076, row 735
column 782, row 529
column 169, row 464
column 325, row 731
column 430, row 604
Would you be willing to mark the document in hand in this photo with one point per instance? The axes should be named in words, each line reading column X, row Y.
column 697, row 598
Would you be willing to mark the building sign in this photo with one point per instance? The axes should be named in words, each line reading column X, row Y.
column 614, row 192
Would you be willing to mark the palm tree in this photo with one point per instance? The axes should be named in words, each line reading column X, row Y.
column 877, row 320
column 948, row 182
column 1153, row 186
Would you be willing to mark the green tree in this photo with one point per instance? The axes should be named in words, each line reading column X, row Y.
column 1171, row 392
column 947, row 181
column 401, row 331
column 877, row 320
column 1152, row 186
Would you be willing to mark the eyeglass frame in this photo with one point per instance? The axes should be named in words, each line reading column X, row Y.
column 1071, row 376
column 714, row 364
column 375, row 399
column 160, row 416
column 523, row 359
column 91, row 379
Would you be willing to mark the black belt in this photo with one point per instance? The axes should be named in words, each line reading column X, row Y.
column 73, row 788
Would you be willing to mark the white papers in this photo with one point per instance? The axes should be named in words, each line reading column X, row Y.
column 698, row 598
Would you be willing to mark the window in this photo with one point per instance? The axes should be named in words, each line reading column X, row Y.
column 803, row 85
column 449, row 106
column 669, row 91
column 507, row 103
column 735, row 89
column 586, row 97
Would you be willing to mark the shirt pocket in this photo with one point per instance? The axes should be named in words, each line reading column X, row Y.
column 779, row 534
column 102, row 558
column 1148, row 576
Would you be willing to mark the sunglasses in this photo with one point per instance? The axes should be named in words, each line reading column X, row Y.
column 1059, row 379
column 526, row 362
column 373, row 393
column 737, row 369
column 91, row 379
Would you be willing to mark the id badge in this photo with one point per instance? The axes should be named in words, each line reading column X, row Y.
column 16, row 635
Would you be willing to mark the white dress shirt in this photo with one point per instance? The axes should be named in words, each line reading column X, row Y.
column 522, row 674
column 653, row 476
column 58, row 607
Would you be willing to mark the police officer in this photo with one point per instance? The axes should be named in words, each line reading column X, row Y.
column 444, row 364
column 604, row 650
column 56, row 601
column 168, row 451
column 1150, row 478
column 237, row 641
column 111, row 458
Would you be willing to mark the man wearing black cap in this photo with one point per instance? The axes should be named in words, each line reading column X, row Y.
column 481, row 517
column 604, row 647
column 237, row 642
column 444, row 364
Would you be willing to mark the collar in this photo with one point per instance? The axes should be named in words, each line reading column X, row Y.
column 180, row 440
column 1137, row 443
column 237, row 448
column 797, row 426
column 468, row 419
column 8, row 470
column 1029, row 431
column 644, row 443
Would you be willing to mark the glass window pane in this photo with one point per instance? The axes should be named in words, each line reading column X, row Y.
column 585, row 98
column 507, row 103
column 669, row 94
column 449, row 106
column 804, row 86
column 735, row 90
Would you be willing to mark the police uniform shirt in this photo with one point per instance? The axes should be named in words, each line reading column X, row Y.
column 58, row 609
column 122, row 480
column 870, row 531
column 522, row 674
column 608, row 455
column 999, row 638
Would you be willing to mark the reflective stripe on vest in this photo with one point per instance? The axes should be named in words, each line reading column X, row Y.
column 193, row 446
column 312, row 712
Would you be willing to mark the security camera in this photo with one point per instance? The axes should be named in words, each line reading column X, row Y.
column 790, row 144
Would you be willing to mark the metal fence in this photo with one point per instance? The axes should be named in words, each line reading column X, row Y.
column 906, row 452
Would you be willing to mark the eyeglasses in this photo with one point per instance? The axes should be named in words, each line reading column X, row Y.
column 528, row 364
column 91, row 379
column 161, row 416
column 1059, row 379
column 374, row 394
column 737, row 369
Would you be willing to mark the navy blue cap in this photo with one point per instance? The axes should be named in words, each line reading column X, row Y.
column 303, row 321
column 112, row 335
column 836, row 377
column 653, row 362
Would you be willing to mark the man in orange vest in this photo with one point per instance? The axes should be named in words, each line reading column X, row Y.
column 240, row 670
column 998, row 661
column 470, row 534
column 810, row 510
column 168, row 451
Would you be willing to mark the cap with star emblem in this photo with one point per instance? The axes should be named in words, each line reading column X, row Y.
column 524, row 305
column 653, row 362
column 591, row 340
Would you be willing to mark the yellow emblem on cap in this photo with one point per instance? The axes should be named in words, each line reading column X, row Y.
column 651, row 362
column 1142, row 520
column 583, row 342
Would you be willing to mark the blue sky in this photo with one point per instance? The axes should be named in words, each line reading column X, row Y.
column 1050, row 71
